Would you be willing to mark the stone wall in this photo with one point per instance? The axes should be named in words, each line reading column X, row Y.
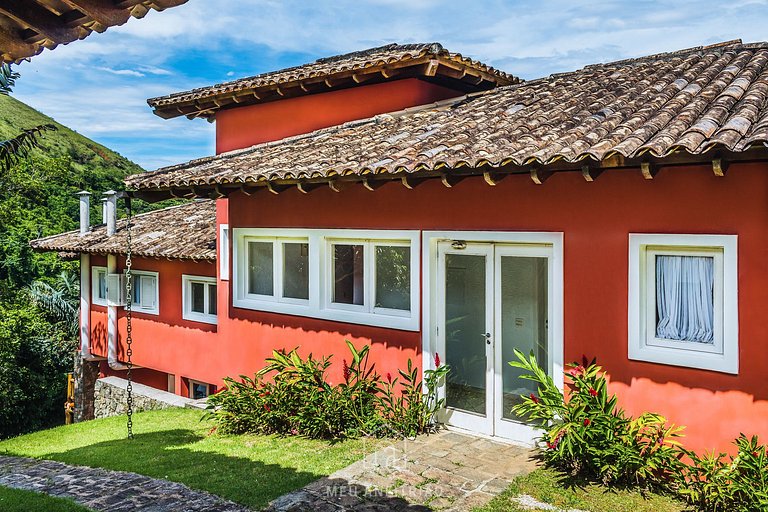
column 85, row 373
column 110, row 398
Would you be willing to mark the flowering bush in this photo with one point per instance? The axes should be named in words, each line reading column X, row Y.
column 589, row 435
column 726, row 483
column 292, row 396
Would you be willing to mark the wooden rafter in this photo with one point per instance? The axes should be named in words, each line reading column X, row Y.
column 28, row 26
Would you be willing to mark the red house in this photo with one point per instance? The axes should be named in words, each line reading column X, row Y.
column 415, row 200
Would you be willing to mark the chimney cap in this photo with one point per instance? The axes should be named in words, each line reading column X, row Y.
column 110, row 193
column 83, row 193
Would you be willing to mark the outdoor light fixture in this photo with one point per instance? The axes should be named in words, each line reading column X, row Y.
column 459, row 245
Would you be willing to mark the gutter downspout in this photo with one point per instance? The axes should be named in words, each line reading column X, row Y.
column 85, row 281
column 110, row 206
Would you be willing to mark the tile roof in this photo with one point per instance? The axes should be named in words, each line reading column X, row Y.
column 206, row 100
column 187, row 231
column 689, row 101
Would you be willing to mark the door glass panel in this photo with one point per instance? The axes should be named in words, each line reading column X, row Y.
column 211, row 299
column 523, row 323
column 465, row 309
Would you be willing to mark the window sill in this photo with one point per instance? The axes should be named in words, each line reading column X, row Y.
column 403, row 323
column 689, row 358
column 203, row 319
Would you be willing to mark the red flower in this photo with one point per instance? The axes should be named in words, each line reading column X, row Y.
column 576, row 371
column 266, row 408
column 593, row 391
column 437, row 360
column 587, row 421
column 551, row 446
column 389, row 377
column 534, row 398
column 347, row 373
column 755, row 454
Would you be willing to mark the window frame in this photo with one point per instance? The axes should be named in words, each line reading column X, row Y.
column 319, row 304
column 723, row 354
column 186, row 299
column 95, row 299
column 155, row 310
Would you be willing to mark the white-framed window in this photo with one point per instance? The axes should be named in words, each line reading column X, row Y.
column 683, row 300
column 145, row 292
column 198, row 390
column 363, row 277
column 99, row 285
column 199, row 298
column 224, row 252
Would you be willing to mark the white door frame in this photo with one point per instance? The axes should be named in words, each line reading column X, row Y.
column 430, row 281
column 482, row 424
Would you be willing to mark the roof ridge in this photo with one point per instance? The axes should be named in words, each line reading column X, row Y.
column 656, row 56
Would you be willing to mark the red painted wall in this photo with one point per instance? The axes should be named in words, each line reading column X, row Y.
column 166, row 342
column 596, row 219
column 242, row 127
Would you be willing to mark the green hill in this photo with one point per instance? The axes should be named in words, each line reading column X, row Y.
column 84, row 153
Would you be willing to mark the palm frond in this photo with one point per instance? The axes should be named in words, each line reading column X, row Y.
column 11, row 150
column 61, row 300
column 8, row 78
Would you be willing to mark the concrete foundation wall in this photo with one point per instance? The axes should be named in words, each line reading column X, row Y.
column 110, row 398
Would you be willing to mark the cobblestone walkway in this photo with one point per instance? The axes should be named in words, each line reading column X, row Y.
column 100, row 489
column 446, row 471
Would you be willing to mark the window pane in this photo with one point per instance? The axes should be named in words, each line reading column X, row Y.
column 102, row 276
column 260, row 268
column 199, row 390
column 393, row 277
column 685, row 298
column 212, row 299
column 348, row 274
column 198, row 298
column 296, row 270
column 136, row 289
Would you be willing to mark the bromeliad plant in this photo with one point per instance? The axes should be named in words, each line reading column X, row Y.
column 293, row 396
column 588, row 435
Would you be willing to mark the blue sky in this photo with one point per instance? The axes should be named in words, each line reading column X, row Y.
column 99, row 86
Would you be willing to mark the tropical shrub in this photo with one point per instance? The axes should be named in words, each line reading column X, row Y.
column 409, row 410
column 589, row 436
column 728, row 483
column 293, row 396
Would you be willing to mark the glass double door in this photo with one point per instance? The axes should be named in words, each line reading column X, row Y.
column 492, row 299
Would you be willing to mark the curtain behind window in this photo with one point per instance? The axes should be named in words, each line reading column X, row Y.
column 684, row 298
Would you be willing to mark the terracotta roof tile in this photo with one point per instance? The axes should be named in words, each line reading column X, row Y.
column 693, row 100
column 392, row 55
column 187, row 231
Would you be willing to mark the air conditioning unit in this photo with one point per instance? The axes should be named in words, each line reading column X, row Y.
column 116, row 295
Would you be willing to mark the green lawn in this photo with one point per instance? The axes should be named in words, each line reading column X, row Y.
column 14, row 500
column 174, row 444
column 546, row 486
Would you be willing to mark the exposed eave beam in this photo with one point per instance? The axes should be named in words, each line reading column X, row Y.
column 104, row 13
column 41, row 20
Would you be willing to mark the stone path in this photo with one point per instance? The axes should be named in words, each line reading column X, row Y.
column 446, row 471
column 100, row 489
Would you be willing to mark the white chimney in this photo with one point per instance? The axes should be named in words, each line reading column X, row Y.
column 103, row 210
column 85, row 211
column 111, row 213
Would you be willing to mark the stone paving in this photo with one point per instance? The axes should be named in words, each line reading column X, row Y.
column 447, row 471
column 100, row 489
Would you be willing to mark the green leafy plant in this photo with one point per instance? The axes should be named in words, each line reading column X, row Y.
column 588, row 435
column 292, row 395
column 716, row 483
column 405, row 405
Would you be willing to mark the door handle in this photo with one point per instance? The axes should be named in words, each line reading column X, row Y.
column 487, row 337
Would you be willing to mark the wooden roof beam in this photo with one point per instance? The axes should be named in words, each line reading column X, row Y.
column 11, row 46
column 103, row 12
column 719, row 167
column 41, row 20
